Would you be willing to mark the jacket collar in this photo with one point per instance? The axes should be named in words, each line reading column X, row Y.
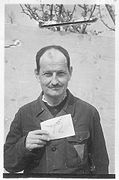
column 70, row 104
column 68, row 108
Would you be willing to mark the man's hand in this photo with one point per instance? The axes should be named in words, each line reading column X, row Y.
column 36, row 139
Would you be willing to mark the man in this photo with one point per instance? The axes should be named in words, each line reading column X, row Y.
column 29, row 148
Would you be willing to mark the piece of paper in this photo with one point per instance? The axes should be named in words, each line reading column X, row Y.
column 59, row 127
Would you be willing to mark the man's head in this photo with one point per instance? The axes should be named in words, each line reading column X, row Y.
column 53, row 70
column 46, row 48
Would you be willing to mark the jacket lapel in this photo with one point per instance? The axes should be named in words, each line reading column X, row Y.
column 69, row 107
column 42, row 113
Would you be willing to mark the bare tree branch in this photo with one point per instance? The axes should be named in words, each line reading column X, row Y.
column 74, row 8
column 31, row 12
column 103, row 21
column 60, row 18
column 91, row 14
column 25, row 12
column 51, row 12
column 80, row 6
column 111, row 12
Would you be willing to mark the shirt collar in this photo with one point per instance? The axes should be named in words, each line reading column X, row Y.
column 44, row 100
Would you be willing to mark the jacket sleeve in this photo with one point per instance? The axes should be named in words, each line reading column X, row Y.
column 98, row 150
column 15, row 154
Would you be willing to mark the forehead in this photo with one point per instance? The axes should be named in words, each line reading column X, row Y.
column 53, row 57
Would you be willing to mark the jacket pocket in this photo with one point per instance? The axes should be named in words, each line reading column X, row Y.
column 76, row 149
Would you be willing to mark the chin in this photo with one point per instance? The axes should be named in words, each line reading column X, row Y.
column 55, row 93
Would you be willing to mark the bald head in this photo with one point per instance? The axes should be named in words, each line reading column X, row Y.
column 50, row 52
column 53, row 56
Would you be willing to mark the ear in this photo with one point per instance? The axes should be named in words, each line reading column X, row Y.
column 70, row 71
column 36, row 74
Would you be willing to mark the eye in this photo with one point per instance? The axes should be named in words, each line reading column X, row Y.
column 47, row 74
column 61, row 73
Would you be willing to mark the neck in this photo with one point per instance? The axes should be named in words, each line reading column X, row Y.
column 53, row 101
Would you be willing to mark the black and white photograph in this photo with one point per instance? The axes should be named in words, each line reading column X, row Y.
column 60, row 90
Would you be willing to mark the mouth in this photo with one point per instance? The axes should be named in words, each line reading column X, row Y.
column 55, row 88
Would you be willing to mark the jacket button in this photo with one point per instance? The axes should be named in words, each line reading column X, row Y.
column 53, row 148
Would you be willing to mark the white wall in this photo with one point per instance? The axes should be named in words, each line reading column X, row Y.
column 93, row 76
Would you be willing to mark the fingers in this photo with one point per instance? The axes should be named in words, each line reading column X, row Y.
column 30, row 147
column 40, row 132
column 36, row 139
column 35, row 143
column 35, row 146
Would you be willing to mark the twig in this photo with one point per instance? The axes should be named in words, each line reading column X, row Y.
column 23, row 11
column 30, row 12
column 111, row 13
column 81, row 7
column 72, row 12
column 92, row 11
column 103, row 21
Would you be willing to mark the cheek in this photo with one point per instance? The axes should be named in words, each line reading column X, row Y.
column 44, row 81
column 64, row 80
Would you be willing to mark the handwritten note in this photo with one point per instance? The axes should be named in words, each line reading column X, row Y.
column 59, row 127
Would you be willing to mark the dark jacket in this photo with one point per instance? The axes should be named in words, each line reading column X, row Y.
column 83, row 153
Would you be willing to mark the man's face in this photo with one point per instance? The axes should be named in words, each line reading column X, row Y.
column 54, row 73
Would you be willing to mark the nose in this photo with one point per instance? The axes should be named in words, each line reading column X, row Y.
column 54, row 80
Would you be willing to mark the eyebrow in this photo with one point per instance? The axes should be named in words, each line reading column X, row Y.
column 50, row 71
